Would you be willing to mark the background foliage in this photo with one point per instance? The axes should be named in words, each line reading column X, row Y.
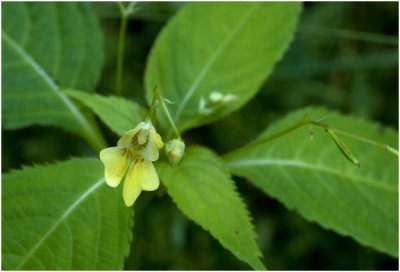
column 325, row 66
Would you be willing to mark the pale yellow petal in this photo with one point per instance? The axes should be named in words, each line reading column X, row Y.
column 143, row 135
column 126, row 139
column 147, row 176
column 115, row 164
column 150, row 152
column 131, row 189
column 156, row 138
column 143, row 175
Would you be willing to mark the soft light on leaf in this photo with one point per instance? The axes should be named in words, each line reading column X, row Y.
column 63, row 217
column 203, row 190
column 226, row 48
column 45, row 46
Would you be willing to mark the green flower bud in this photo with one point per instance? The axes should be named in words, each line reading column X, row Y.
column 228, row 98
column 215, row 97
column 175, row 151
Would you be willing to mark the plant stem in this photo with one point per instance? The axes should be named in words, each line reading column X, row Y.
column 306, row 121
column 120, row 55
column 153, row 106
column 158, row 97
column 365, row 140
column 276, row 135
column 171, row 121
column 125, row 13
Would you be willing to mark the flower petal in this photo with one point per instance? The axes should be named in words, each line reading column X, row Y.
column 115, row 164
column 147, row 176
column 131, row 189
column 150, row 152
column 141, row 176
column 143, row 136
column 156, row 138
column 126, row 139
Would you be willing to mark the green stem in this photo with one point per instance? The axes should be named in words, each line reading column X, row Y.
column 125, row 13
column 158, row 97
column 153, row 106
column 365, row 140
column 171, row 121
column 120, row 55
column 306, row 121
column 277, row 134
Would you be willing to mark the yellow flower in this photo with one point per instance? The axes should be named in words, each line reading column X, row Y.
column 133, row 155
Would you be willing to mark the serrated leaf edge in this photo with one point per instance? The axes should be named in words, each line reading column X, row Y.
column 259, row 254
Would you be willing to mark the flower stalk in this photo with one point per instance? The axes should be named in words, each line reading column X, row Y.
column 175, row 148
column 157, row 98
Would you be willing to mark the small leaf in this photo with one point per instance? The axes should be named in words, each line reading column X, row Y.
column 45, row 46
column 203, row 190
column 63, row 217
column 314, row 178
column 225, row 48
column 117, row 113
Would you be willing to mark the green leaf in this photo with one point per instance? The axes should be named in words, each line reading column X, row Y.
column 45, row 46
column 229, row 48
column 117, row 113
column 63, row 217
column 314, row 178
column 203, row 190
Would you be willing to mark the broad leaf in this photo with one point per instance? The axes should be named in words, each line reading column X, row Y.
column 63, row 217
column 313, row 177
column 45, row 46
column 228, row 48
column 117, row 113
column 203, row 190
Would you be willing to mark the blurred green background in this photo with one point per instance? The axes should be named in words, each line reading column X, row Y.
column 344, row 56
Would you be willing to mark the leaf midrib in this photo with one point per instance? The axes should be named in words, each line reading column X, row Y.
column 46, row 77
column 262, row 162
column 211, row 61
column 63, row 216
column 216, row 234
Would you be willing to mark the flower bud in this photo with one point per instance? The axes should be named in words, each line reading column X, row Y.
column 215, row 97
column 228, row 98
column 175, row 151
column 214, row 101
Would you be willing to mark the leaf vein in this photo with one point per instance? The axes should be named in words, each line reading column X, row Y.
column 57, row 223
column 42, row 73
column 263, row 162
column 211, row 62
